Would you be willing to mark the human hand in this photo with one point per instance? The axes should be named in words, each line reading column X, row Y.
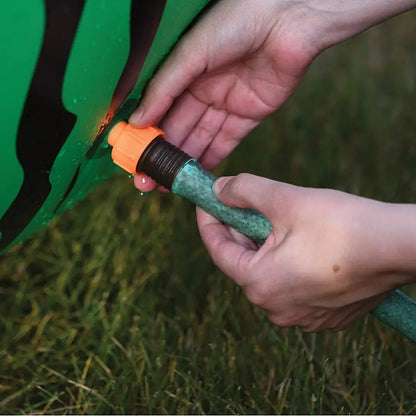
column 331, row 257
column 239, row 63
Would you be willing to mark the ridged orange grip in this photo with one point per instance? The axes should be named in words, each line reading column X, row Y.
column 129, row 143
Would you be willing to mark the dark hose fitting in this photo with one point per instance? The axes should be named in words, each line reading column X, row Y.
column 162, row 161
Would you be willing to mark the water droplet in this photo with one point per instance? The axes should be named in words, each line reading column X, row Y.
column 142, row 193
column 143, row 180
column 131, row 175
column 74, row 100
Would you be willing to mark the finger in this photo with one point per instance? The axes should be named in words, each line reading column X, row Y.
column 184, row 64
column 144, row 183
column 360, row 309
column 204, row 132
column 182, row 117
column 273, row 199
column 287, row 315
column 242, row 239
column 233, row 130
column 232, row 257
column 341, row 318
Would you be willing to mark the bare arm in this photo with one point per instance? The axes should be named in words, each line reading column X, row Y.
column 240, row 63
column 331, row 258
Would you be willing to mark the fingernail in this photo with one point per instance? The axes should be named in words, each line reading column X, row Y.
column 137, row 115
column 219, row 184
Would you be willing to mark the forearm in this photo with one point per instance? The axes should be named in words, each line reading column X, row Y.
column 379, row 242
column 334, row 21
column 402, row 225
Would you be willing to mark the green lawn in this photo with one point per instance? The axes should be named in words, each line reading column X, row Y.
column 117, row 308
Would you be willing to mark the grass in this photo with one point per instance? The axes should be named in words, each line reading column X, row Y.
column 117, row 308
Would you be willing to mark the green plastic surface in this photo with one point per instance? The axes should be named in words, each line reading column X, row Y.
column 98, row 54
column 21, row 32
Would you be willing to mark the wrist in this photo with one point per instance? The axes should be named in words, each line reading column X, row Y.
column 384, row 236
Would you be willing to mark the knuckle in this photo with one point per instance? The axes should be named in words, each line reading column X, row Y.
column 244, row 177
column 185, row 53
column 184, row 46
column 282, row 321
column 181, row 52
column 238, row 183
column 204, row 131
column 337, row 328
column 154, row 87
column 311, row 328
column 257, row 294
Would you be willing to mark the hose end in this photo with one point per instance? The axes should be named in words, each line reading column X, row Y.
column 129, row 143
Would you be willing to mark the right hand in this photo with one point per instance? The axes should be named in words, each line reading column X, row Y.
column 236, row 66
column 239, row 63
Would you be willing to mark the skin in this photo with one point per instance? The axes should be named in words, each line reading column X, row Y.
column 331, row 257
column 237, row 65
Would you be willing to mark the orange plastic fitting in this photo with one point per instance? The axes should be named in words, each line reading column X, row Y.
column 129, row 143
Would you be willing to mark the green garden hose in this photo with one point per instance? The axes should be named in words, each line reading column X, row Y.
column 145, row 150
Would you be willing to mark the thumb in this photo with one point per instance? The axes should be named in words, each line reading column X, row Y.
column 273, row 199
column 184, row 64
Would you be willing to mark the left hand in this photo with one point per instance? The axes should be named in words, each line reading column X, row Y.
column 331, row 257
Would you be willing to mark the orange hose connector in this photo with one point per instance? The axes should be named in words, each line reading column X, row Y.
column 129, row 143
